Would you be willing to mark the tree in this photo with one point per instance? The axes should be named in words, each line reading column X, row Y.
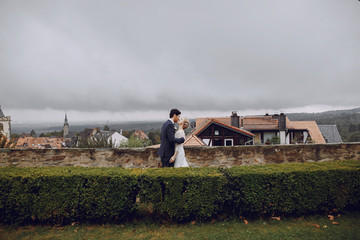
column 154, row 137
column 352, row 128
column 32, row 133
column 95, row 142
column 106, row 128
column 274, row 140
column 134, row 142
column 355, row 137
column 128, row 134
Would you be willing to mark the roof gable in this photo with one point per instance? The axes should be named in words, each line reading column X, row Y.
column 193, row 140
column 221, row 124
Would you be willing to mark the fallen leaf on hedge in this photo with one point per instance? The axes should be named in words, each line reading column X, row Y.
column 276, row 218
column 246, row 222
column 339, row 215
column 122, row 226
column 315, row 225
column 335, row 223
column 324, row 226
column 331, row 217
column 193, row 222
column 33, row 217
column 212, row 220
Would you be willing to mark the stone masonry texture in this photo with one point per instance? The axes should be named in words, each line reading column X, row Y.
column 196, row 156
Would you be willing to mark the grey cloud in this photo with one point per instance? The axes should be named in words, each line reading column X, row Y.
column 198, row 55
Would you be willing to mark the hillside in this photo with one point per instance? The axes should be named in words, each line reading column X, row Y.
column 347, row 121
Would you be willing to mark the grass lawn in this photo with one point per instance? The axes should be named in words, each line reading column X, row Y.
column 315, row 227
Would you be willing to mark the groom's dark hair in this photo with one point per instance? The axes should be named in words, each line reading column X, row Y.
column 174, row 111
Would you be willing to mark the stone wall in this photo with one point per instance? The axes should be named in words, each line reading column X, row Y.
column 196, row 156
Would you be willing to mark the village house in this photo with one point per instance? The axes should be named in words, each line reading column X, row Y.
column 113, row 137
column 212, row 132
column 254, row 130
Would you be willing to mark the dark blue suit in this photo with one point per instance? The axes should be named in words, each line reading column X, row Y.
column 167, row 146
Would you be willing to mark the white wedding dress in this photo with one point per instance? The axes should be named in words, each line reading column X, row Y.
column 180, row 160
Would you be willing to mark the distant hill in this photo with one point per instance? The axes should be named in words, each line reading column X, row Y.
column 146, row 126
column 78, row 127
column 347, row 121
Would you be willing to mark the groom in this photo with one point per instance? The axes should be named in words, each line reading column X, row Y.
column 168, row 140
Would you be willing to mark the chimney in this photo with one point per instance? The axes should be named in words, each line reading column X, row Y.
column 282, row 122
column 121, row 131
column 235, row 119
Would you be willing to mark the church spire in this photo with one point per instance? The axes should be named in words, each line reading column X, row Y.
column 66, row 127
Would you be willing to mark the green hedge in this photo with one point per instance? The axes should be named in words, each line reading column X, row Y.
column 292, row 189
column 183, row 194
column 69, row 194
column 63, row 195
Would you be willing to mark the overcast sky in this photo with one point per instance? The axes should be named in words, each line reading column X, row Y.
column 135, row 60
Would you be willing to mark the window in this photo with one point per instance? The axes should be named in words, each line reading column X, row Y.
column 216, row 132
column 206, row 141
column 218, row 142
column 229, row 142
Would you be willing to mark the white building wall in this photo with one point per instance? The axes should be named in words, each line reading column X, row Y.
column 117, row 139
column 282, row 137
column 5, row 121
column 306, row 134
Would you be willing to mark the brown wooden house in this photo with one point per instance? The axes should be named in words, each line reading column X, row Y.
column 216, row 133
column 264, row 128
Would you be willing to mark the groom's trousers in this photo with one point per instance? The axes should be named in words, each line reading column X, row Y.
column 165, row 162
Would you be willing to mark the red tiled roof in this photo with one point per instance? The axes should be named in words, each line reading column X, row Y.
column 311, row 126
column 260, row 123
column 193, row 140
column 39, row 143
column 140, row 134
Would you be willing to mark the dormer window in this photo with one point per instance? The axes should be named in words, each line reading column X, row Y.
column 216, row 132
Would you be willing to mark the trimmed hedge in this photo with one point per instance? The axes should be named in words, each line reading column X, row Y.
column 62, row 195
column 292, row 189
column 69, row 194
column 183, row 194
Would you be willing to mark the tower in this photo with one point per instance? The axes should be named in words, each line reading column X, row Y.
column 66, row 127
column 5, row 126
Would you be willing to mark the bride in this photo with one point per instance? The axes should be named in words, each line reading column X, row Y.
column 179, row 155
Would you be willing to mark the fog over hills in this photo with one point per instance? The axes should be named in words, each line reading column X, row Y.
column 78, row 127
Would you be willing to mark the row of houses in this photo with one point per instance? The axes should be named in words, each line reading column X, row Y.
column 220, row 131
column 112, row 139
column 256, row 130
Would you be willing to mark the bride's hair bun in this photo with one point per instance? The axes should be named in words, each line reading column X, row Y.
column 186, row 123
